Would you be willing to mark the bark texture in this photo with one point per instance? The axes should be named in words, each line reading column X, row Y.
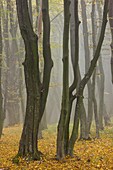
column 65, row 94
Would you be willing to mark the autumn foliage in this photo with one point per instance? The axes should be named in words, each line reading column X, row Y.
column 88, row 155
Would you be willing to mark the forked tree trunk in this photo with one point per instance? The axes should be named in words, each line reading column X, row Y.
column 36, row 91
column 65, row 94
column 87, row 77
column 74, row 38
column 28, row 143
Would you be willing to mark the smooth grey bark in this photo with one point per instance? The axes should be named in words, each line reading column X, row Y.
column 94, row 30
column 13, row 84
column 101, row 77
column 87, row 64
column 5, row 24
column 111, row 26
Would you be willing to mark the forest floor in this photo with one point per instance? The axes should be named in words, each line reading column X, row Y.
column 88, row 155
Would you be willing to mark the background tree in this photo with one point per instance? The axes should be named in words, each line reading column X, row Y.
column 87, row 77
column 111, row 26
column 1, row 53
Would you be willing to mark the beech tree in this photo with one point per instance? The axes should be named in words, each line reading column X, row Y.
column 61, row 146
column 37, row 91
column 87, row 64
column 94, row 38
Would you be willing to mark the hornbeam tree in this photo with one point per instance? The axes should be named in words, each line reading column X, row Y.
column 65, row 94
column 37, row 91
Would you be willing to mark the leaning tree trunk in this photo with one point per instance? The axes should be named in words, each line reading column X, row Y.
column 111, row 26
column 102, row 77
column 65, row 93
column 87, row 76
column 48, row 63
column 1, row 48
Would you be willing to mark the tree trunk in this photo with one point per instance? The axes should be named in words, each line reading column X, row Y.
column 94, row 30
column 102, row 78
column 87, row 76
column 65, row 94
column 13, row 85
column 111, row 26
column 1, row 100
column 74, row 38
column 36, row 91
column 87, row 64
column 28, row 143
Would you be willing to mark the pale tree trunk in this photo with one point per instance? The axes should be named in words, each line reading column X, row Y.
column 65, row 93
column 7, row 54
column 1, row 99
column 94, row 30
column 86, row 78
column 111, row 26
column 101, row 77
column 13, row 106
column 87, row 64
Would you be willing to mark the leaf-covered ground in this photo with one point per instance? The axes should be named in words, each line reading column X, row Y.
column 88, row 155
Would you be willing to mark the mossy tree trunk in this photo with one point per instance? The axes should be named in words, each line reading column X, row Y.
column 61, row 150
column 87, row 76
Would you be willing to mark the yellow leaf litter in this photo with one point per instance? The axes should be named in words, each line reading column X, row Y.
column 88, row 155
